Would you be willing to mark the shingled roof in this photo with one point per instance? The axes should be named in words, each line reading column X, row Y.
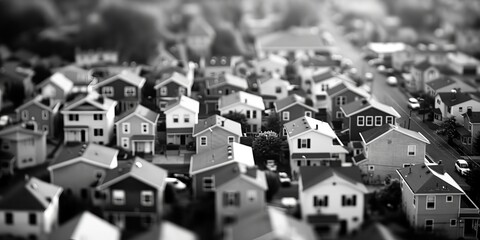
column 215, row 121
column 425, row 179
column 359, row 106
column 86, row 226
column 91, row 153
column 141, row 111
column 220, row 156
column 34, row 195
column 291, row 100
column 452, row 99
column 243, row 98
column 376, row 132
column 311, row 176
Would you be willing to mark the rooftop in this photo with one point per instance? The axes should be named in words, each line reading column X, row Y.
column 220, row 156
column 185, row 102
column 423, row 178
column 92, row 101
column 311, row 176
column 86, row 226
column 243, row 98
column 305, row 124
column 34, row 194
column 92, row 153
column 452, row 99
column 291, row 100
column 217, row 121
column 226, row 79
column 358, row 106
column 343, row 86
column 174, row 76
column 374, row 133
column 141, row 111
column 126, row 76
column 474, row 117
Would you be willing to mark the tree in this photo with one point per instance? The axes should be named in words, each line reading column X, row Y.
column 476, row 144
column 449, row 129
column 238, row 117
column 273, row 183
column 267, row 145
column 390, row 196
column 273, row 123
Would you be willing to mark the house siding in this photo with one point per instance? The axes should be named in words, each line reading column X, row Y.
column 21, row 226
column 242, row 108
column 217, row 138
column 35, row 114
column 86, row 119
column 135, row 129
column 334, row 108
column 124, row 103
column 23, row 150
column 355, row 130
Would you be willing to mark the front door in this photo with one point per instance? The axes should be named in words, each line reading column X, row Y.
column 83, row 137
column 470, row 229
column 140, row 147
column 182, row 140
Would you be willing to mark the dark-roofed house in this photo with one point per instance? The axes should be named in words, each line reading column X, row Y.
column 131, row 196
column 270, row 224
column 292, row 107
column 86, row 226
column 215, row 87
column 171, row 87
column 471, row 129
column 454, row 104
column 332, row 199
column 42, row 111
column 446, row 84
column 81, row 78
column 423, row 72
column 13, row 74
column 312, row 143
column 388, row 148
column 180, row 118
column 30, row 210
column 136, row 129
column 367, row 114
column 215, row 131
column 89, row 119
column 165, row 231
column 432, row 201
column 78, row 167
column 200, row 36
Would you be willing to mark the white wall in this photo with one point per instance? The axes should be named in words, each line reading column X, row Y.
column 181, row 123
column 21, row 226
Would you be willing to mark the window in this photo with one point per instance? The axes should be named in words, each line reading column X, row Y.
column 231, row 139
column 284, row 132
column 175, row 118
column 390, row 120
column 97, row 117
column 324, row 87
column 98, row 132
column 339, row 114
column 378, row 120
column 414, row 201
column 186, row 118
column 248, row 113
column 254, row 114
column 130, row 92
column 360, row 120
column 24, row 115
column 181, row 90
column 411, row 150
column 107, row 91
column 146, row 198
column 163, row 91
column 32, row 219
column 349, row 200
column 449, row 198
column 286, row 116
column 208, row 183
column 45, row 128
column 126, row 128
column 369, row 120
column 231, row 199
column 203, row 141
column 429, row 225
column 371, row 168
column 125, row 142
column 341, row 100
column 251, row 195
column 460, row 109
column 254, row 127
column 308, row 113
column 430, row 202
column 303, row 143
column 144, row 127
column 278, row 90
column 118, row 197
column 73, row 117
column 453, row 222
column 320, row 201
column 44, row 115
column 406, row 165
column 163, row 105
column 8, row 218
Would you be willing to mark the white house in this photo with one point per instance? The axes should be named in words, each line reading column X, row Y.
column 89, row 119
column 332, row 198
column 250, row 105
column 455, row 103
column 271, row 64
column 274, row 86
column 31, row 211
column 180, row 118
column 321, row 81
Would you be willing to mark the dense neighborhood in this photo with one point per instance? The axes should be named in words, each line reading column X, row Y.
column 321, row 128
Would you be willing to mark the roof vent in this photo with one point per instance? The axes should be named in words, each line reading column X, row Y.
column 138, row 164
column 427, row 172
column 364, row 101
column 34, row 186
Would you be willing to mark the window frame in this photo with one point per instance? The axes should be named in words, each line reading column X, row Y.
column 434, row 202
column 340, row 100
column 126, row 128
column 186, row 118
column 230, row 139
column 44, row 115
column 145, row 128
column 360, row 120
column 308, row 113
column 286, row 116
column 449, row 196
column 125, row 143
column 453, row 220
column 109, row 93
column 127, row 93
column 176, row 118
column 32, row 219
column 163, row 91
column 118, row 201
column 203, row 141
column 367, row 118
column 389, row 120
column 432, row 225
column 378, row 120
column 143, row 196
column 411, row 153
column 210, row 186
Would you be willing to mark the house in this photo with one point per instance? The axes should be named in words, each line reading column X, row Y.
column 180, row 118
column 423, row 72
column 470, row 130
column 242, row 102
column 125, row 88
column 270, row 224
column 79, row 166
column 30, row 210
column 243, row 67
column 367, row 114
column 433, row 201
column 88, row 58
column 454, row 104
column 446, row 84
column 28, row 145
column 136, row 130
column 387, row 148
column 402, row 58
column 200, row 36
column 7, row 164
column 312, row 143
column 164, row 58
column 86, row 226
column 239, row 193
column 273, row 87
column 89, row 118
column 164, row 231
column 219, row 86
column 56, row 87
column 43, row 112
column 81, row 78
column 205, row 166
column 342, row 94
column 13, row 74
column 171, row 87
column 132, row 194
column 293, row 107
column 306, row 66
column 318, row 85
column 216, row 66
column 214, row 132
column 332, row 199
column 463, row 64
column 271, row 64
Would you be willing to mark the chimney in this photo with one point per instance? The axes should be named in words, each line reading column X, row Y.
column 453, row 95
column 223, row 123
column 364, row 101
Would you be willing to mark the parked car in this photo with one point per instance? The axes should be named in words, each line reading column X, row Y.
column 392, row 81
column 177, row 184
column 462, row 167
column 413, row 103
column 289, row 202
column 284, row 179
column 271, row 165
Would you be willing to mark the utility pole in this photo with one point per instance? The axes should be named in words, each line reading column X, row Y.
column 409, row 118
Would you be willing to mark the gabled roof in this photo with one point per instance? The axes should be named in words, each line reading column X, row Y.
column 451, row 99
column 40, row 101
column 198, row 27
column 220, row 156
column 185, row 102
column 311, row 176
column 344, row 86
column 306, row 124
column 20, row 128
column 15, row 70
column 218, row 61
column 291, row 100
column 273, row 223
column 474, row 117
column 440, row 83
column 139, row 169
column 94, row 99
column 226, row 79
column 377, row 132
column 86, row 226
column 91, row 153
column 321, row 76
column 423, row 179
column 358, row 106
column 34, row 195
column 59, row 80
column 165, row 231
column 77, row 75
column 140, row 111
column 217, row 121
column 176, row 77
column 242, row 98
column 236, row 171
column 126, row 76
column 422, row 65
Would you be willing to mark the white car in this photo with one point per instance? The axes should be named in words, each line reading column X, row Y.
column 368, row 76
column 392, row 81
column 284, row 179
column 413, row 103
column 177, row 184
column 461, row 166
